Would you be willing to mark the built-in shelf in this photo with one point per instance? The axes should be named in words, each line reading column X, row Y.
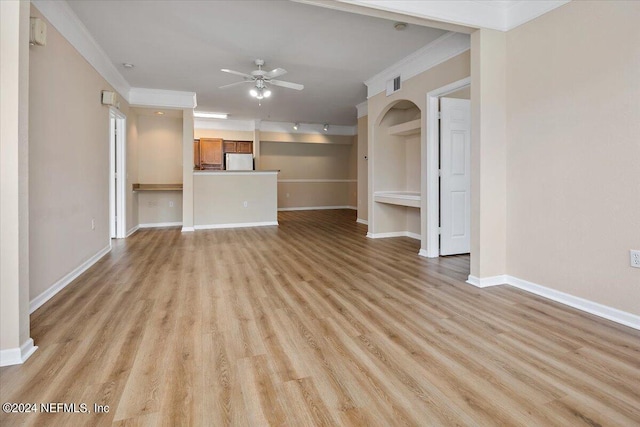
column 157, row 187
column 406, row 129
column 401, row 198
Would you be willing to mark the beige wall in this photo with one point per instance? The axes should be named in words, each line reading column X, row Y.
column 315, row 163
column 573, row 180
column 68, row 161
column 488, row 153
column 132, row 170
column 230, row 135
column 394, row 162
column 14, row 181
column 218, row 198
column 363, row 179
column 159, row 162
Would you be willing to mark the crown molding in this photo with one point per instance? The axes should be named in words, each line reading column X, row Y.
column 496, row 15
column 64, row 19
column 438, row 51
column 140, row 97
column 363, row 109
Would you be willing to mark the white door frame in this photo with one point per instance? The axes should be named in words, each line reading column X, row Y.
column 430, row 200
column 118, row 157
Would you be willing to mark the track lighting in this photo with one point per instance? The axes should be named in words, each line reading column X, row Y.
column 325, row 127
column 296, row 126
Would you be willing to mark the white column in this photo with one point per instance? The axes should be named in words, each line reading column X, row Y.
column 187, row 169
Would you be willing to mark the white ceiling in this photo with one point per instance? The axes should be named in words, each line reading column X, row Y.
column 182, row 45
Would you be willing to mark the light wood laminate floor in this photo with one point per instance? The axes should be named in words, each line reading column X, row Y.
column 311, row 323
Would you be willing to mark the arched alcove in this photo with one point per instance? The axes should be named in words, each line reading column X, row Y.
column 396, row 171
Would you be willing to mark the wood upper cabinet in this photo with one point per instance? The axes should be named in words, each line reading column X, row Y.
column 229, row 146
column 196, row 154
column 244, row 147
column 211, row 153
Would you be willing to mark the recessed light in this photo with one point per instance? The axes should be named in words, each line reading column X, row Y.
column 205, row 115
column 127, row 65
column 159, row 113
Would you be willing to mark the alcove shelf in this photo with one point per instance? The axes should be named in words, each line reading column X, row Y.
column 157, row 187
column 405, row 129
column 401, row 198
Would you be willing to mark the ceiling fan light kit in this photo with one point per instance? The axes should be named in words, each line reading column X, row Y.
column 260, row 78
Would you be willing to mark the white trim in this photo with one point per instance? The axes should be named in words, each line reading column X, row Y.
column 161, row 98
column 317, row 180
column 308, row 128
column 363, row 109
column 438, row 51
column 362, row 221
column 196, row 173
column 64, row 19
column 133, row 230
column 520, row 12
column 430, row 205
column 160, row 224
column 17, row 356
column 118, row 161
column 394, row 234
column 485, row 282
column 315, row 208
column 235, row 225
column 187, row 229
column 497, row 15
column 45, row 296
column 591, row 307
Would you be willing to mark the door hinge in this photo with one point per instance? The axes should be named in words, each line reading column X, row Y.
column 439, row 172
column 439, row 115
column 439, row 230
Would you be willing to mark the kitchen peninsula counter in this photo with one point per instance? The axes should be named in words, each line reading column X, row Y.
column 235, row 198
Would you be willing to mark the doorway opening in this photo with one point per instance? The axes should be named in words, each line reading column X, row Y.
column 117, row 174
column 456, row 225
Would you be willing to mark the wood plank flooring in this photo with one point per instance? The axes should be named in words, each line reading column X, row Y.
column 310, row 323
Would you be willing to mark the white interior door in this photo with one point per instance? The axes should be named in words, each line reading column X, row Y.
column 117, row 176
column 455, row 179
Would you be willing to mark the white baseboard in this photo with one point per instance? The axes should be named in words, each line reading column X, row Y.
column 485, row 282
column 597, row 309
column 425, row 253
column 188, row 229
column 133, row 230
column 316, row 208
column 362, row 221
column 394, row 234
column 235, row 225
column 161, row 224
column 70, row 277
column 19, row 355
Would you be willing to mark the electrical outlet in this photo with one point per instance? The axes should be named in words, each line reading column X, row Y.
column 635, row 258
column 93, row 223
column 171, row 203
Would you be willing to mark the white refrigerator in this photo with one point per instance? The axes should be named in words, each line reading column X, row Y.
column 242, row 162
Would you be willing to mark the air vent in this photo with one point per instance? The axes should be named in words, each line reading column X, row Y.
column 393, row 85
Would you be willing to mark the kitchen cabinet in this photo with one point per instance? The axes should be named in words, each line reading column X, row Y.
column 211, row 154
column 196, row 154
column 245, row 147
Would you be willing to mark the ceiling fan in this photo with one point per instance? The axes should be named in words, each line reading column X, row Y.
column 261, row 78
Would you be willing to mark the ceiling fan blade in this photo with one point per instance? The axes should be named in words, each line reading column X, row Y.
column 289, row 85
column 275, row 73
column 237, row 73
column 234, row 84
